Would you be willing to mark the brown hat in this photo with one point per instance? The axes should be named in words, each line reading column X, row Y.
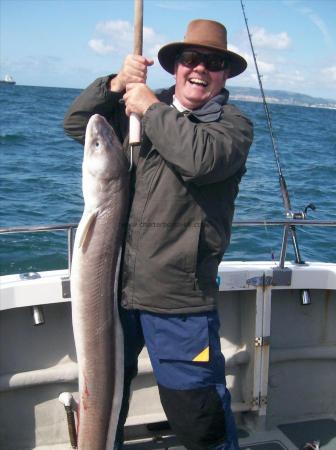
column 207, row 34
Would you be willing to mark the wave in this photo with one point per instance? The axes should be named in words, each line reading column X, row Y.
column 41, row 179
column 12, row 138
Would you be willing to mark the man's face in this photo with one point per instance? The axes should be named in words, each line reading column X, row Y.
column 197, row 85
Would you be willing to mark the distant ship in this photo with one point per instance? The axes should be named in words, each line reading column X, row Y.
column 8, row 80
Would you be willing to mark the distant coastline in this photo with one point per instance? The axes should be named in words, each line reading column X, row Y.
column 248, row 94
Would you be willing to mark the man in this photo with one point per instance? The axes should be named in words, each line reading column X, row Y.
column 184, row 182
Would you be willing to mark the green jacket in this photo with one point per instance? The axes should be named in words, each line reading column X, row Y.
column 184, row 182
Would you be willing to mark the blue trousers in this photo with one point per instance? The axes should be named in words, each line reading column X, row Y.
column 190, row 371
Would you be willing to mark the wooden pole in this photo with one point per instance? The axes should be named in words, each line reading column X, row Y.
column 138, row 26
column 135, row 128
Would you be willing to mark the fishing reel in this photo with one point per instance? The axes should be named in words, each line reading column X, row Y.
column 301, row 215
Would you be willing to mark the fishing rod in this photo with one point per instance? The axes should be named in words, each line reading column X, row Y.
column 135, row 122
column 305, row 296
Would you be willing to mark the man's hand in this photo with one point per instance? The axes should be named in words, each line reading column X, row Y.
column 138, row 98
column 134, row 70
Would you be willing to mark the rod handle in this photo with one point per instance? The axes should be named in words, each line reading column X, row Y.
column 135, row 123
column 134, row 129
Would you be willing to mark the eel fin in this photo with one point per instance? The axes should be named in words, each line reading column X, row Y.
column 86, row 225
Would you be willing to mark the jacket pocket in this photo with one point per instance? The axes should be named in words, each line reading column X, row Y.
column 191, row 247
column 182, row 337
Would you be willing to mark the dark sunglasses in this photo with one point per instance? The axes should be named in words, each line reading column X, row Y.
column 212, row 61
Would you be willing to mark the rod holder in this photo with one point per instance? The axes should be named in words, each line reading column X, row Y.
column 38, row 315
column 305, row 297
column 37, row 310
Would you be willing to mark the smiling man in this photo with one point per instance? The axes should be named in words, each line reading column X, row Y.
column 185, row 179
column 196, row 84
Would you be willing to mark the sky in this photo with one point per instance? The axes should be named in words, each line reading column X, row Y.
column 69, row 43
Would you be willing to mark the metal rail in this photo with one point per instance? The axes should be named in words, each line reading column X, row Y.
column 284, row 222
column 236, row 223
column 71, row 227
column 33, row 228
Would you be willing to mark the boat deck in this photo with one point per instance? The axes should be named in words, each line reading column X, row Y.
column 280, row 361
column 311, row 434
column 314, row 434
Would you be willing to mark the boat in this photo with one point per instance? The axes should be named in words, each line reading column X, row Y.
column 8, row 79
column 277, row 333
column 279, row 345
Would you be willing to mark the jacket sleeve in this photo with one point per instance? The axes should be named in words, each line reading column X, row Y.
column 201, row 152
column 95, row 99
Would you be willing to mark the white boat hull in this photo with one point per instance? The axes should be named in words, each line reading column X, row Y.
column 280, row 357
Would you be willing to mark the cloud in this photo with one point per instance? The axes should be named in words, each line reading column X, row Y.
column 117, row 37
column 313, row 17
column 32, row 63
column 263, row 66
column 318, row 22
column 329, row 73
column 261, row 38
column 266, row 67
column 271, row 69
column 292, row 77
column 120, row 29
column 98, row 46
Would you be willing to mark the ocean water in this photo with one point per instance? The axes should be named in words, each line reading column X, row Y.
column 41, row 179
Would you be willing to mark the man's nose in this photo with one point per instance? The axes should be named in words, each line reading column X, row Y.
column 200, row 67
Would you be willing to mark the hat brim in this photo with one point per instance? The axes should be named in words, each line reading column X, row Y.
column 167, row 57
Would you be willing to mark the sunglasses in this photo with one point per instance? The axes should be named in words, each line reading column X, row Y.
column 212, row 61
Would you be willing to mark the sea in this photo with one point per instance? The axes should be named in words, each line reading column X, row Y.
column 41, row 180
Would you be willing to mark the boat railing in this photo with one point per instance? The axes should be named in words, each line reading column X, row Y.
column 70, row 229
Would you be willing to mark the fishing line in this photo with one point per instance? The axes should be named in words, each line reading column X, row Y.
column 282, row 181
